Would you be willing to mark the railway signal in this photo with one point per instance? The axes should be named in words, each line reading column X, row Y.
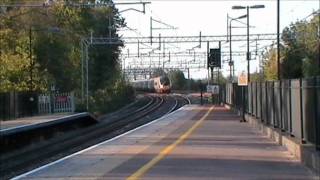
column 214, row 59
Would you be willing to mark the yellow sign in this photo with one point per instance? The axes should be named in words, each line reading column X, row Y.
column 243, row 79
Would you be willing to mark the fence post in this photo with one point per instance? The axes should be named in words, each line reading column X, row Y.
column 290, row 109
column 267, row 104
column 281, row 103
column 256, row 99
column 72, row 102
column 261, row 116
column 273, row 107
column 243, row 105
column 301, row 113
column 316, row 110
column 250, row 99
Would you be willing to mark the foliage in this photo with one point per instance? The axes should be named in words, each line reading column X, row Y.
column 194, row 85
column 299, row 52
column 158, row 72
column 217, row 78
column 177, row 79
column 111, row 98
column 270, row 67
column 52, row 36
column 17, row 67
column 256, row 77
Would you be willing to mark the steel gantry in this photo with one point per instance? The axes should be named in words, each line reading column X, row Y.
column 170, row 40
column 199, row 58
column 49, row 3
column 181, row 39
column 191, row 58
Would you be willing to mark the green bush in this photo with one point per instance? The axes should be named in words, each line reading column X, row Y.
column 111, row 98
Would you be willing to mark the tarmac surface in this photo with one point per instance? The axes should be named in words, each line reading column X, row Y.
column 31, row 120
column 194, row 142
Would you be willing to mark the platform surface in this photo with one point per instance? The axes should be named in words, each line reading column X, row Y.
column 195, row 142
column 9, row 124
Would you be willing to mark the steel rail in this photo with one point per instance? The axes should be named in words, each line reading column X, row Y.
column 174, row 107
column 75, row 139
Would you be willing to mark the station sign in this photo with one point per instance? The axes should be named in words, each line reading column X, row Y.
column 243, row 79
column 213, row 89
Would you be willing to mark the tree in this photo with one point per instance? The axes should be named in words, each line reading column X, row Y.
column 54, row 34
column 177, row 79
column 17, row 67
column 291, row 65
column 158, row 72
column 311, row 62
column 299, row 52
column 43, row 44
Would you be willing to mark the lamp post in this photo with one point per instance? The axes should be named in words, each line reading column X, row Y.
column 278, row 38
column 248, row 45
column 231, row 63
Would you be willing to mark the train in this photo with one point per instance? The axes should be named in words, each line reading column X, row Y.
column 160, row 84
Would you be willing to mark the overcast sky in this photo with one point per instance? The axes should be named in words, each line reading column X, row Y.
column 210, row 17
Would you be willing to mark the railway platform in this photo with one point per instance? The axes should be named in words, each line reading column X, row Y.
column 194, row 142
column 26, row 121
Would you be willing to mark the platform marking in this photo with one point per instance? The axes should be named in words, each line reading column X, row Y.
column 40, row 122
column 92, row 147
column 167, row 150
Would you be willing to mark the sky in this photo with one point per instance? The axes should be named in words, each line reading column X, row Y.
column 210, row 17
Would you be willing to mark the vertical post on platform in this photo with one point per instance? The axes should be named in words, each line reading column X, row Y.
column 201, row 91
column 316, row 107
column 248, row 66
column 243, row 105
column 248, row 45
column 208, row 61
column 230, row 54
column 218, row 81
column 303, row 140
column 278, row 40
column 212, row 84
column 189, row 80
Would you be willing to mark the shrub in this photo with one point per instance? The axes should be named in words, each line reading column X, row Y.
column 111, row 98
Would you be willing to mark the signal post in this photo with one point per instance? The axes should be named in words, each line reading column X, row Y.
column 214, row 61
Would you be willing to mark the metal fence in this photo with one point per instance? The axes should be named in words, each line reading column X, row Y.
column 14, row 105
column 290, row 105
column 22, row 104
column 62, row 102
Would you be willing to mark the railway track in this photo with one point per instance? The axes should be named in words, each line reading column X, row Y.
column 111, row 125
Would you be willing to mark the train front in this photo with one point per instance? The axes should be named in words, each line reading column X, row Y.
column 165, row 85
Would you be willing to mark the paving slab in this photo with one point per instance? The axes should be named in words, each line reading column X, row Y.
column 8, row 124
column 195, row 142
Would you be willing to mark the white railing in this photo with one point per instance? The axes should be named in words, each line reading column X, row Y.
column 60, row 102
column 44, row 104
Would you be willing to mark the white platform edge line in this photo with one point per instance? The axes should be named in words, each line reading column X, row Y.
column 47, row 120
column 94, row 146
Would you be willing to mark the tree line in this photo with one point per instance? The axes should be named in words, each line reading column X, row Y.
column 299, row 51
column 41, row 49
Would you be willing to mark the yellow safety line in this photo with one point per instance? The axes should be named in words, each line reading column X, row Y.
column 140, row 172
